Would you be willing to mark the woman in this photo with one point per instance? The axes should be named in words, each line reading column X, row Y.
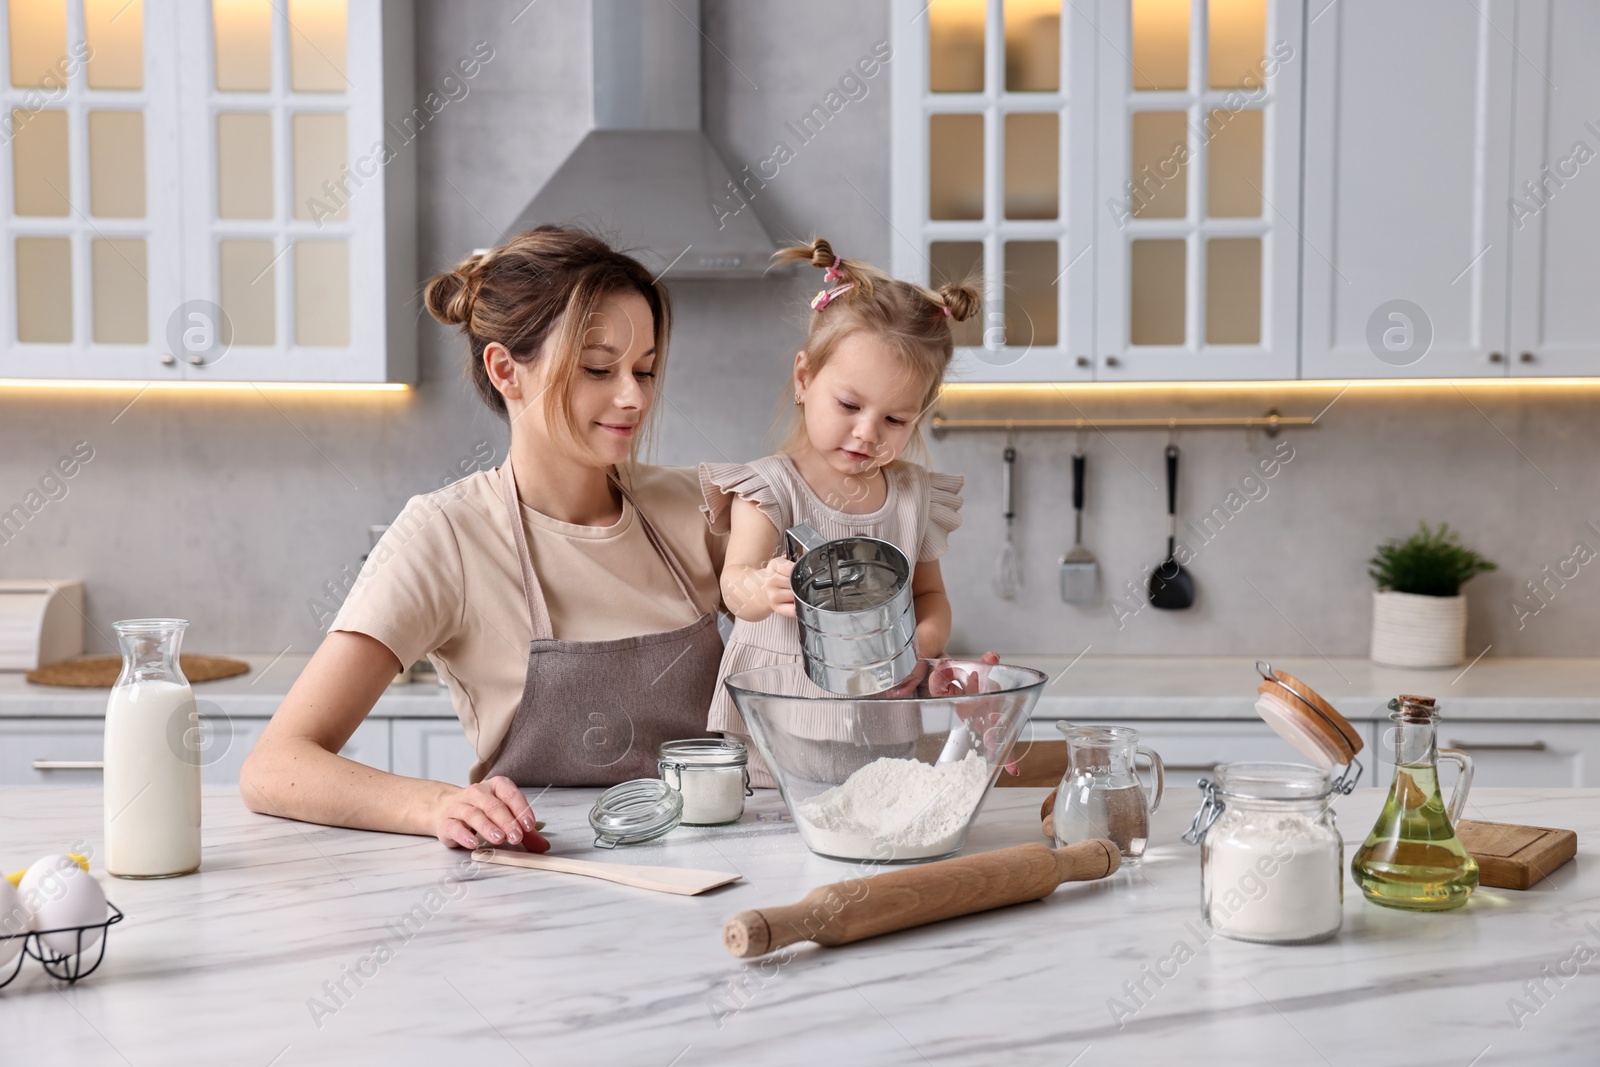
column 567, row 597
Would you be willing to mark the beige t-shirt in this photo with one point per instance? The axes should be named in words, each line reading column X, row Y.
column 444, row 582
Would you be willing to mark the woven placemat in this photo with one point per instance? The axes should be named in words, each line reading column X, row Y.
column 100, row 672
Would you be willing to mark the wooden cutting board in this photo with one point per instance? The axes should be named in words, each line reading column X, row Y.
column 1515, row 857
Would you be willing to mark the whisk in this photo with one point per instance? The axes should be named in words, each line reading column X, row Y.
column 1007, row 572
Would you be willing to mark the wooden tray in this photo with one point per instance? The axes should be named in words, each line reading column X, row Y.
column 1515, row 857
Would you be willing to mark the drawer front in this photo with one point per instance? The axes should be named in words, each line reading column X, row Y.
column 226, row 742
column 32, row 751
column 1189, row 746
column 1511, row 753
column 435, row 749
column 29, row 747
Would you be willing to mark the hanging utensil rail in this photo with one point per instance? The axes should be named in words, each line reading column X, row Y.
column 1270, row 423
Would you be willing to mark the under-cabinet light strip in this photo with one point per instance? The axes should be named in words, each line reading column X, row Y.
column 269, row 387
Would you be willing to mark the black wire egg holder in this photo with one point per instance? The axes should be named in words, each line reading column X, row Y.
column 67, row 967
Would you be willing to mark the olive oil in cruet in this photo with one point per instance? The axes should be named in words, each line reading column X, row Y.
column 1412, row 859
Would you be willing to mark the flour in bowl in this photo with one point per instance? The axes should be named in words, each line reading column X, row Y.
column 917, row 809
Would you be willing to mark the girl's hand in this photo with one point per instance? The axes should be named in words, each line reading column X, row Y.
column 493, row 809
column 983, row 717
column 775, row 585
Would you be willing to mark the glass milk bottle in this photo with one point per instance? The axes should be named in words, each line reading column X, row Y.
column 152, row 765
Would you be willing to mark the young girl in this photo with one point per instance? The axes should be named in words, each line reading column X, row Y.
column 874, row 360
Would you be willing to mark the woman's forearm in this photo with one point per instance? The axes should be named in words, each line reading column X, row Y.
column 295, row 770
column 296, row 778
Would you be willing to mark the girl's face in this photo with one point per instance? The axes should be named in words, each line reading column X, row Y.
column 862, row 406
column 615, row 382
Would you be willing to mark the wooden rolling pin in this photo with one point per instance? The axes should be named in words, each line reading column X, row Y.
column 866, row 907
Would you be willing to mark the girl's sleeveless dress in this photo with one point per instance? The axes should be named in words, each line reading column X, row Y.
column 918, row 513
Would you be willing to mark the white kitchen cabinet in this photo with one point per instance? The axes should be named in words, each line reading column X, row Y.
column 432, row 748
column 48, row 751
column 1125, row 176
column 209, row 192
column 1187, row 747
column 44, row 751
column 1555, row 192
column 1509, row 753
column 1409, row 109
column 1198, row 157
column 992, row 174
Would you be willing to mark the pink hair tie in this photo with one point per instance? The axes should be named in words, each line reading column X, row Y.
column 833, row 273
column 946, row 309
column 827, row 296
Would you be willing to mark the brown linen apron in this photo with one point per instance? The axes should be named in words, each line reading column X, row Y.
column 595, row 712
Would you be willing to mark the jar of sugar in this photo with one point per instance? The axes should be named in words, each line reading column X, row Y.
column 1271, row 859
column 712, row 774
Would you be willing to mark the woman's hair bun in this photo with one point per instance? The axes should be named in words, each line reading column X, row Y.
column 962, row 300
column 449, row 296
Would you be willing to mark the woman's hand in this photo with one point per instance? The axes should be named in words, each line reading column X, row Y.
column 493, row 809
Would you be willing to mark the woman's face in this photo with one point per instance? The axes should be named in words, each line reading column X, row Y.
column 614, row 385
column 862, row 406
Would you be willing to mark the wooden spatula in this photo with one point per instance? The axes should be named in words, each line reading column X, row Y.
column 683, row 881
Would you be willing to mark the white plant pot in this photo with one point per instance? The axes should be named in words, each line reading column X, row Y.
column 1409, row 630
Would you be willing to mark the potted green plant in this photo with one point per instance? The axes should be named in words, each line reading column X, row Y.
column 1419, row 613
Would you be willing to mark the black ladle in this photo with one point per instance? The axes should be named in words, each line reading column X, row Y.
column 1171, row 588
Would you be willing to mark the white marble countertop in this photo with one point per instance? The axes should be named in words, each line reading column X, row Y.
column 506, row 966
column 1090, row 688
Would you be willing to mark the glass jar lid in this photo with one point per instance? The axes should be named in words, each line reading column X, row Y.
column 704, row 752
column 635, row 811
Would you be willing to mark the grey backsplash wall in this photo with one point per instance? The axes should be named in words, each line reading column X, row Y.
column 233, row 510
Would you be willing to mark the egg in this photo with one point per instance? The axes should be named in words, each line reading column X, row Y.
column 14, row 919
column 57, row 893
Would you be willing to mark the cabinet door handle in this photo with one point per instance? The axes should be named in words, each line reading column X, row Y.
column 1526, row 357
column 1500, row 746
column 1496, row 357
column 69, row 765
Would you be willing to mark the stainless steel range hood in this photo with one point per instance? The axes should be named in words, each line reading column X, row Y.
column 646, row 177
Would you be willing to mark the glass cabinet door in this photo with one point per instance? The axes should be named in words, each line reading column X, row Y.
column 993, row 177
column 1198, row 159
column 90, row 255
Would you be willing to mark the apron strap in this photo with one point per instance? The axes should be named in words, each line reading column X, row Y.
column 664, row 550
column 538, row 612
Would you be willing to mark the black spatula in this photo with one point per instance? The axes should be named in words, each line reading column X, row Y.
column 1171, row 588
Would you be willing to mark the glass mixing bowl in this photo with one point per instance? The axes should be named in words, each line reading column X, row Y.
column 893, row 778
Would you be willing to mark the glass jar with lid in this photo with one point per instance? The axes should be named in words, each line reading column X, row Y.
column 1271, row 858
column 713, row 775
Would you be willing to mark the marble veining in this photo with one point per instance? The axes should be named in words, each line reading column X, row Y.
column 270, row 955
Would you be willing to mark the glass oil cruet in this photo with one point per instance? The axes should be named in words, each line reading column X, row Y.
column 1412, row 859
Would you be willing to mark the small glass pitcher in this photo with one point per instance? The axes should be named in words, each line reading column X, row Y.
column 1102, row 795
column 1413, row 859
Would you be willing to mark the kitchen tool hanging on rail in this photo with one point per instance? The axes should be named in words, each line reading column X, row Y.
column 1080, row 573
column 1007, row 573
column 1171, row 587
